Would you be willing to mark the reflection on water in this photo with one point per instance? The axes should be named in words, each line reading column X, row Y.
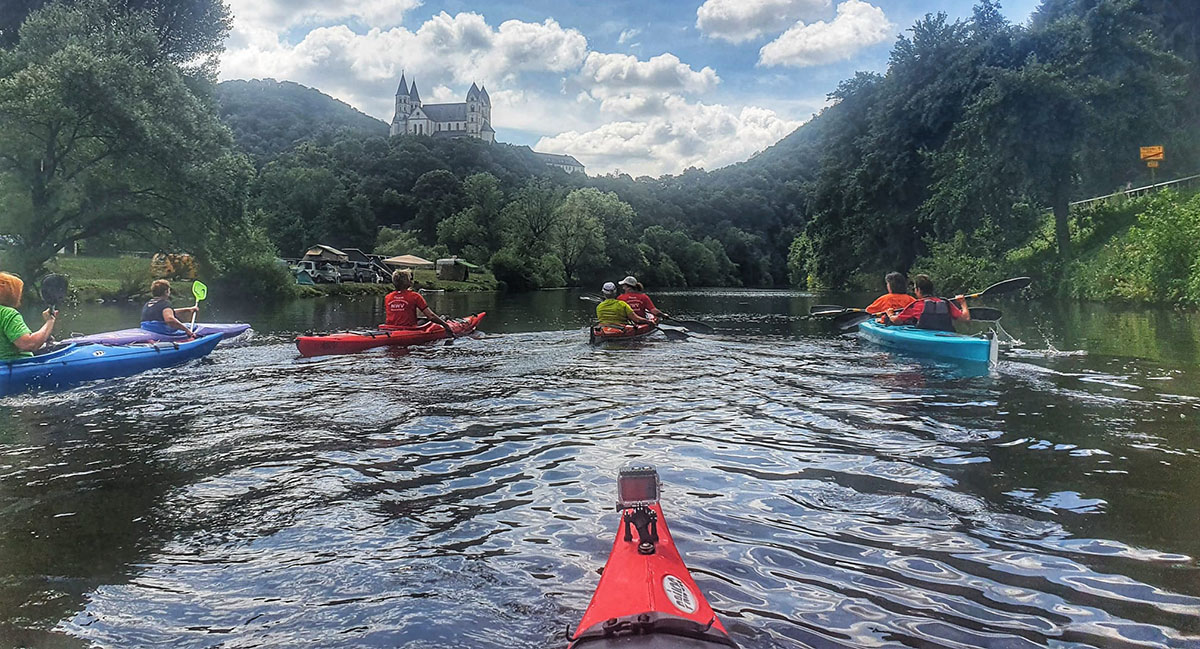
column 824, row 491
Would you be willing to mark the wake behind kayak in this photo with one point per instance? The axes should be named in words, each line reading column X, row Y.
column 646, row 598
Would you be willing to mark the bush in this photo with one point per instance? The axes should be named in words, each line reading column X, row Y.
column 959, row 265
column 133, row 278
column 248, row 266
column 514, row 270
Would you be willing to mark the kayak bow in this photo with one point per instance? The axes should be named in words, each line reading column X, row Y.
column 646, row 598
column 349, row 342
column 139, row 335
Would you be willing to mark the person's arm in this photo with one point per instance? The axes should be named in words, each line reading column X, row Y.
column 173, row 322
column 907, row 315
column 650, row 308
column 438, row 319
column 629, row 314
column 34, row 340
column 876, row 307
column 186, row 310
column 960, row 312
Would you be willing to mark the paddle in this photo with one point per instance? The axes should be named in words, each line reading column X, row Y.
column 1006, row 286
column 981, row 313
column 672, row 333
column 199, row 291
column 54, row 290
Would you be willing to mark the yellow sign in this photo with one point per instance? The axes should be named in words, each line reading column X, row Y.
column 1152, row 153
column 1152, row 163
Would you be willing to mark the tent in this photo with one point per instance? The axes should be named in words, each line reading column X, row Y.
column 454, row 269
column 321, row 252
column 408, row 261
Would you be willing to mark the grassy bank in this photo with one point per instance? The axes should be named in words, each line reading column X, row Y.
column 1128, row 250
column 425, row 279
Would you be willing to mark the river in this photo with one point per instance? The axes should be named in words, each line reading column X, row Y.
column 824, row 492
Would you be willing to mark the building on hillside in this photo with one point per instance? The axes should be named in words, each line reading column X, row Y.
column 472, row 118
column 565, row 162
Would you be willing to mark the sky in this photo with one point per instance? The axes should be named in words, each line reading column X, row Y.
column 644, row 87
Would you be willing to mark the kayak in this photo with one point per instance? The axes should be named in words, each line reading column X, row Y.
column 926, row 342
column 646, row 597
column 75, row 363
column 604, row 333
column 139, row 335
column 348, row 342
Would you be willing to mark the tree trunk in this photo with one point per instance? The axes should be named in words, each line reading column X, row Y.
column 1060, row 202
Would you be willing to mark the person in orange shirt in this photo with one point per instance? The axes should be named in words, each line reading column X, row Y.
column 896, row 298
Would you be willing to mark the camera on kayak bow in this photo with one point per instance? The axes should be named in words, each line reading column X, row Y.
column 637, row 490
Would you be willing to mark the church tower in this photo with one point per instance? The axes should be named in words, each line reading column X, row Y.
column 403, row 109
column 474, row 111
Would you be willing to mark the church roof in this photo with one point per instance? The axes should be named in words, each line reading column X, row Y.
column 473, row 93
column 484, row 96
column 403, row 89
column 487, row 128
column 554, row 158
column 446, row 112
column 413, row 92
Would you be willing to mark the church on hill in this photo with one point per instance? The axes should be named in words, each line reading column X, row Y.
column 472, row 118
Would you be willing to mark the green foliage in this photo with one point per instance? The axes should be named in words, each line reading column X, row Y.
column 962, row 264
column 133, row 276
column 101, row 132
column 391, row 243
column 1157, row 260
column 248, row 266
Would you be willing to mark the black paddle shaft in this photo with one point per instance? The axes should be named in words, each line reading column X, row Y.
column 54, row 290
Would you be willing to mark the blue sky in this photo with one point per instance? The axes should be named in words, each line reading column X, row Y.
column 638, row 87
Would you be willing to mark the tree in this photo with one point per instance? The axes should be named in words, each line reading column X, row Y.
column 190, row 33
column 528, row 220
column 438, row 194
column 472, row 231
column 578, row 236
column 99, row 132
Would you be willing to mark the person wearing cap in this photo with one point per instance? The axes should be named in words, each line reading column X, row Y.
column 612, row 311
column 633, row 293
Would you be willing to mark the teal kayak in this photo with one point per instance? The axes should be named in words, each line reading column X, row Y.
column 78, row 363
column 926, row 342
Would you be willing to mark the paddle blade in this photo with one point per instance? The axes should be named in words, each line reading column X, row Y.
column 673, row 334
column 985, row 314
column 199, row 290
column 54, row 289
column 590, row 298
column 694, row 325
column 850, row 320
column 825, row 309
column 1007, row 286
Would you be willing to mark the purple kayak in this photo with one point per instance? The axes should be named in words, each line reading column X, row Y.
column 131, row 336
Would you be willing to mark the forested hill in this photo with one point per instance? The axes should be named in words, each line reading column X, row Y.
column 268, row 117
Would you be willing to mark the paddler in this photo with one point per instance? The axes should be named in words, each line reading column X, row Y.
column 613, row 311
column 160, row 317
column 897, row 296
column 929, row 311
column 403, row 304
column 16, row 339
column 633, row 293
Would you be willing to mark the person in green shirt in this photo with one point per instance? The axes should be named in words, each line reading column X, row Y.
column 16, row 340
column 616, row 312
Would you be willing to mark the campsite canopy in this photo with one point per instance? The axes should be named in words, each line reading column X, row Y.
column 322, row 252
column 408, row 261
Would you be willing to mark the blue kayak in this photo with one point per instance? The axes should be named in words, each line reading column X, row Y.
column 926, row 342
column 78, row 363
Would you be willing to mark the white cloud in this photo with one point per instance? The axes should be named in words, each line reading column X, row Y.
column 690, row 134
column 738, row 21
column 857, row 25
column 611, row 74
column 362, row 69
column 628, row 35
column 266, row 13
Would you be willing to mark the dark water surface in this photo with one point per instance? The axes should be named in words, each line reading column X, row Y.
column 825, row 493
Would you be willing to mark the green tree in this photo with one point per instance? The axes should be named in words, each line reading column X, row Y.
column 100, row 132
column 528, row 221
column 471, row 232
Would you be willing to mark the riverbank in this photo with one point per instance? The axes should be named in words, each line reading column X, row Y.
column 127, row 278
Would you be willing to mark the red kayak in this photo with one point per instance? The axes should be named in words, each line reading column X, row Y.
column 603, row 333
column 646, row 598
column 348, row 342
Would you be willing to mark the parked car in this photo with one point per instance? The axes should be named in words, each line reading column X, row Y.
column 319, row 271
column 356, row 271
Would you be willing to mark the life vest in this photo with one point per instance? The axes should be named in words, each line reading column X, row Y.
column 935, row 315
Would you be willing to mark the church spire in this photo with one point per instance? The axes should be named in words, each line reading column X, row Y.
column 483, row 96
column 473, row 93
column 412, row 92
column 403, row 89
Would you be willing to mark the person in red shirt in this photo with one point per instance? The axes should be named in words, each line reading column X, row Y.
column 403, row 304
column 896, row 297
column 929, row 311
column 633, row 295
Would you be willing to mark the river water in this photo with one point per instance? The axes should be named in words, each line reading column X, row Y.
column 824, row 492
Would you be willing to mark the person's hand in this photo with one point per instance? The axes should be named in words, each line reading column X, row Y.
column 960, row 298
column 47, row 315
column 449, row 332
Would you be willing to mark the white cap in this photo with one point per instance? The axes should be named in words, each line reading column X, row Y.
column 609, row 287
column 630, row 281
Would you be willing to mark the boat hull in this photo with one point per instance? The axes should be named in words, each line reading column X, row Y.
column 349, row 342
column 945, row 345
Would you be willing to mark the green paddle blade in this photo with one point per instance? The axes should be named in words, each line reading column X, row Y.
column 199, row 290
column 54, row 289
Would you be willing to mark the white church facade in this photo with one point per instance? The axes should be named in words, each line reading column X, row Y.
column 472, row 118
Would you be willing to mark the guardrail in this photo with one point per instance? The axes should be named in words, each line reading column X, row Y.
column 1141, row 191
